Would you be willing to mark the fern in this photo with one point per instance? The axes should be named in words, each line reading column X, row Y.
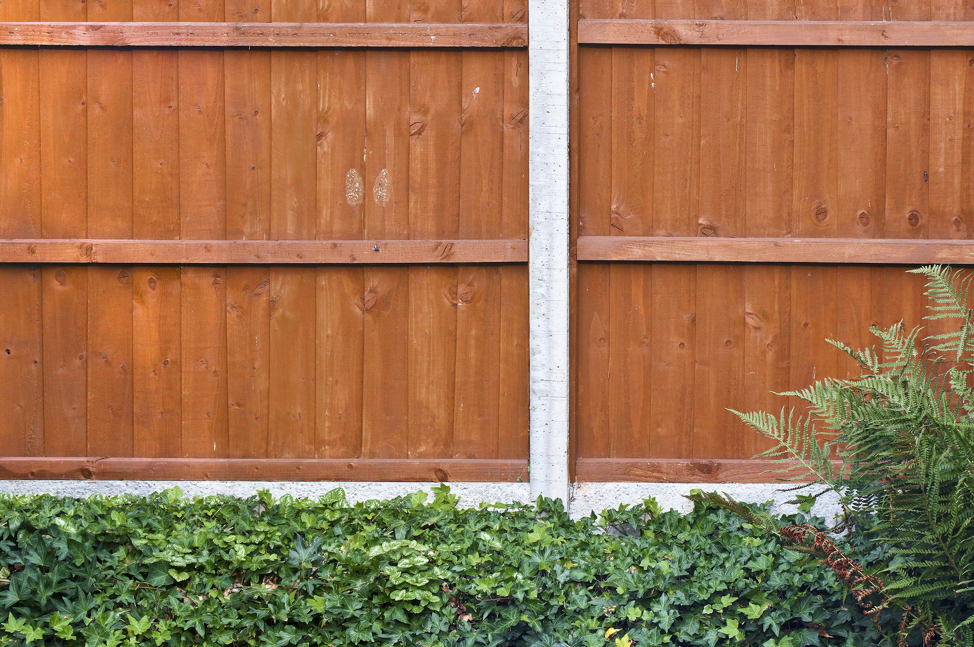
column 903, row 432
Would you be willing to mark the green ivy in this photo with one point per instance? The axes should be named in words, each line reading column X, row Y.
column 165, row 570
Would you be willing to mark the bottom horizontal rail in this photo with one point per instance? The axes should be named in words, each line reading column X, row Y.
column 269, row 469
column 678, row 470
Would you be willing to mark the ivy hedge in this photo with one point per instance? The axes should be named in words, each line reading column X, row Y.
column 165, row 570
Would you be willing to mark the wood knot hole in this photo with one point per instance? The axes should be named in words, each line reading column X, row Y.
column 821, row 213
column 914, row 218
column 863, row 218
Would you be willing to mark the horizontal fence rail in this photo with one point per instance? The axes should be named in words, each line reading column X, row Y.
column 775, row 250
column 778, row 33
column 272, row 35
column 682, row 470
column 264, row 252
column 264, row 469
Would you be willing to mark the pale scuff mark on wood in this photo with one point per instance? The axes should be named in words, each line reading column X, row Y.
column 354, row 188
column 381, row 188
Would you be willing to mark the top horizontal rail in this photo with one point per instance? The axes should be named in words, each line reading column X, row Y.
column 262, row 34
column 776, row 33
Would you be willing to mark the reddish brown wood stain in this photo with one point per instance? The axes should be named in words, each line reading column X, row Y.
column 747, row 205
column 194, row 293
column 189, row 216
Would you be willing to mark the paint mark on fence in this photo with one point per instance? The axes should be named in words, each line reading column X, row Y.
column 354, row 188
column 381, row 188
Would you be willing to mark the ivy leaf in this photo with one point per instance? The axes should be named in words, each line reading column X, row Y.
column 731, row 629
column 32, row 634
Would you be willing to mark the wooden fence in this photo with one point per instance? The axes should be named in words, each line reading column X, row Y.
column 168, row 174
column 712, row 145
column 287, row 239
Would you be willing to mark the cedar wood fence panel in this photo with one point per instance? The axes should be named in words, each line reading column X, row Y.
column 384, row 360
column 264, row 364
column 717, row 142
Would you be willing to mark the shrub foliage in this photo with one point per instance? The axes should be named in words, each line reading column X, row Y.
column 225, row 571
column 903, row 433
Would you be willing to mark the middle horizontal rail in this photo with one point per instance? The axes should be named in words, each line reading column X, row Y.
column 262, row 252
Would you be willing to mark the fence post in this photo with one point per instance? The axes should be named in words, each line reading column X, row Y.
column 548, row 265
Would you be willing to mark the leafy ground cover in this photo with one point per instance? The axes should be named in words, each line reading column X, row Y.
column 164, row 570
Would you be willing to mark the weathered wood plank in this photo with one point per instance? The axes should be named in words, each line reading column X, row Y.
column 677, row 470
column 259, row 252
column 255, row 34
column 779, row 33
column 189, row 469
column 883, row 251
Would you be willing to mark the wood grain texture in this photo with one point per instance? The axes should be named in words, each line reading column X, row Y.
column 189, row 469
column 280, row 34
column 720, row 337
column 478, row 296
column 157, row 361
column 434, row 210
column 64, row 300
column 675, row 213
column 514, row 350
column 110, row 390
column 342, row 194
column 21, row 367
column 385, row 390
column 602, row 470
column 777, row 33
column 203, row 345
column 249, row 116
column 248, row 360
column 63, row 139
column 883, row 251
column 592, row 323
column 303, row 252
column 294, row 111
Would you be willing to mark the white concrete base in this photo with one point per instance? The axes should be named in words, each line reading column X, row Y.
column 471, row 494
column 585, row 498
column 595, row 497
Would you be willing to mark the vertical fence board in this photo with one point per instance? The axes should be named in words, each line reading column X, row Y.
column 205, row 432
column 65, row 304
column 595, row 206
column 157, row 312
column 675, row 212
column 110, row 391
column 768, row 204
column 434, row 212
column 21, row 323
column 514, row 389
column 22, row 399
column 294, row 105
column 63, row 141
column 157, row 361
column 385, row 404
column 342, row 195
column 719, row 348
column 247, row 92
column 202, row 213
